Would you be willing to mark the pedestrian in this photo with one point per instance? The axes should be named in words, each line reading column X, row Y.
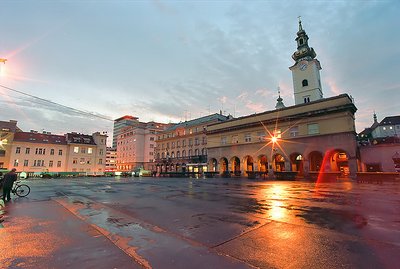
column 8, row 182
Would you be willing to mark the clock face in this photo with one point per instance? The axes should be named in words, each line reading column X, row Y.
column 303, row 66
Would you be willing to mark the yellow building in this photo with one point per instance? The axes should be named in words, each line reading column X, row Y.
column 36, row 153
column 314, row 135
column 306, row 137
column 7, row 130
column 182, row 148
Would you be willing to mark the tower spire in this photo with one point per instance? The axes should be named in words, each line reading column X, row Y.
column 300, row 26
column 279, row 103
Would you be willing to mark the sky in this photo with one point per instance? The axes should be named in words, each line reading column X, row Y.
column 74, row 66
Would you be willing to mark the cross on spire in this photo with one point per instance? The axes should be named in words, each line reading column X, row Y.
column 300, row 26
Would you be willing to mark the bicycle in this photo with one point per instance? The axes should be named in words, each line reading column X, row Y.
column 21, row 190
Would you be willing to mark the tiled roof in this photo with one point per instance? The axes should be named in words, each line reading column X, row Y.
column 75, row 138
column 9, row 126
column 203, row 120
column 39, row 138
column 393, row 120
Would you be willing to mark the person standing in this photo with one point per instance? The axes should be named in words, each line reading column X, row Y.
column 8, row 182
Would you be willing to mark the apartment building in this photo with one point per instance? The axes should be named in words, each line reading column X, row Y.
column 183, row 146
column 136, row 145
column 86, row 153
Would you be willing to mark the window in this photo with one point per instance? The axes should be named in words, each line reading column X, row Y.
column 196, row 141
column 173, row 145
column 83, row 150
column 74, row 160
column 151, row 153
column 18, row 150
column 183, row 143
column 247, row 137
column 27, row 150
column 223, row 140
column 190, row 142
column 50, row 163
column 178, row 144
column 76, row 149
column 82, row 161
column 151, row 138
column 100, row 161
column 89, row 161
column 59, row 164
column 183, row 153
column 304, row 82
column 51, row 151
column 190, row 153
column 235, row 139
column 101, row 152
column 26, row 162
column 16, row 162
column 60, row 152
column 196, row 152
column 278, row 133
column 204, row 140
column 294, row 131
column 261, row 136
column 178, row 154
column 151, row 146
column 313, row 128
column 307, row 99
column 89, row 150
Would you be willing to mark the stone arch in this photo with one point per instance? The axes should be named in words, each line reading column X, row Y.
column 263, row 163
column 248, row 163
column 212, row 165
column 235, row 165
column 297, row 162
column 279, row 162
column 315, row 158
column 336, row 160
column 223, row 165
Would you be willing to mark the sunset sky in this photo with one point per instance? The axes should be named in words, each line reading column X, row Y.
column 169, row 61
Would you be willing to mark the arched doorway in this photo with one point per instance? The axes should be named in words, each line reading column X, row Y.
column 338, row 161
column 315, row 158
column 279, row 162
column 248, row 164
column 235, row 164
column 262, row 163
column 296, row 161
column 212, row 165
column 223, row 165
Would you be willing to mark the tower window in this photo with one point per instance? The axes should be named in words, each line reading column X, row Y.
column 304, row 82
column 301, row 41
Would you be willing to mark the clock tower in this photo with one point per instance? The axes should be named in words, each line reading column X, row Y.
column 305, row 71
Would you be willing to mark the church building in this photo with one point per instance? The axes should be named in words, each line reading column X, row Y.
column 315, row 135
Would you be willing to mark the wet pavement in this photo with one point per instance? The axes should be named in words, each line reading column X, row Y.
column 201, row 223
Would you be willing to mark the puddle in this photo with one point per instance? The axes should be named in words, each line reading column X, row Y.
column 333, row 219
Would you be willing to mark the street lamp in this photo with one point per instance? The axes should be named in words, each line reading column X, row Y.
column 3, row 60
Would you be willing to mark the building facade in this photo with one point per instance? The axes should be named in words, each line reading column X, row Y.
column 314, row 135
column 7, row 131
column 111, row 160
column 36, row 153
column 86, row 153
column 183, row 146
column 120, row 124
column 136, row 145
column 379, row 146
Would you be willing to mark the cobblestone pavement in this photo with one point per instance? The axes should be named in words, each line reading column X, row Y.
column 201, row 223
